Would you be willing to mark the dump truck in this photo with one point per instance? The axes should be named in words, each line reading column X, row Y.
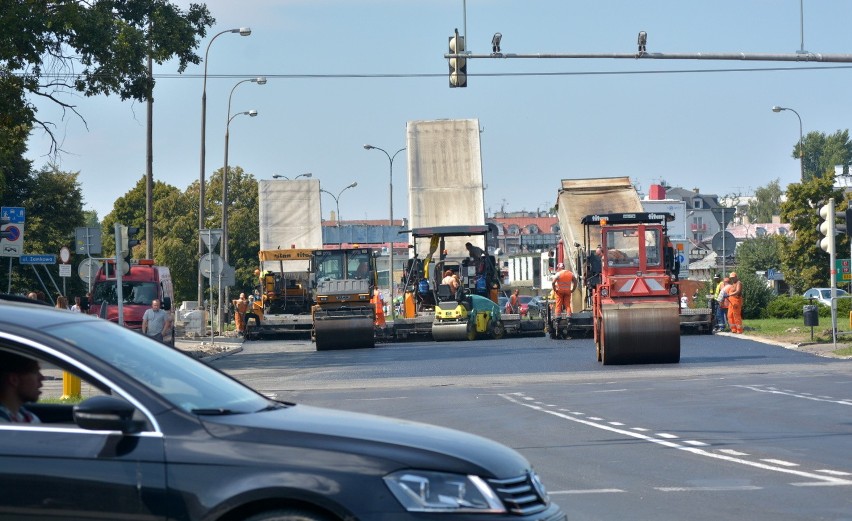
column 344, row 312
column 576, row 199
column 290, row 221
column 635, row 301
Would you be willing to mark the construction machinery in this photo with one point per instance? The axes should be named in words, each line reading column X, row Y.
column 635, row 300
column 576, row 199
column 430, row 307
column 284, row 306
column 290, row 226
column 344, row 313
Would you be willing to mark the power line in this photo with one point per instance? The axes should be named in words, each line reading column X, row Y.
column 168, row 76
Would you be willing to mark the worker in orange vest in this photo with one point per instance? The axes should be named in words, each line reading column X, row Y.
column 564, row 284
column 379, row 303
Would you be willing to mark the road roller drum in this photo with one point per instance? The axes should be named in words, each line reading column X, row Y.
column 640, row 333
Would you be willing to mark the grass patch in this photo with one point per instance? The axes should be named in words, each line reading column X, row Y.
column 67, row 401
column 792, row 331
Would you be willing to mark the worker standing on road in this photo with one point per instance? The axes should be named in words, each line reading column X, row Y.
column 735, row 303
column 379, row 303
column 241, row 306
column 514, row 303
column 564, row 284
column 723, row 304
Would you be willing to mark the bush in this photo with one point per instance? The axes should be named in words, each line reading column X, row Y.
column 756, row 296
column 787, row 307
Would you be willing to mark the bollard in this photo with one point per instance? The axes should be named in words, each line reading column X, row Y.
column 71, row 386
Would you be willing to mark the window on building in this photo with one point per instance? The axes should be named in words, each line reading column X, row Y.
column 532, row 228
column 697, row 203
column 513, row 229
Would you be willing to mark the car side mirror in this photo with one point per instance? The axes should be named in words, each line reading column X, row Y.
column 166, row 303
column 107, row 413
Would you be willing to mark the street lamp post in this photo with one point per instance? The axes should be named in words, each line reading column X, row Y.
column 337, row 205
column 224, row 245
column 279, row 176
column 776, row 108
column 390, row 252
column 243, row 31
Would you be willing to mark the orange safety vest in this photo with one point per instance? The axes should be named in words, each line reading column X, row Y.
column 563, row 281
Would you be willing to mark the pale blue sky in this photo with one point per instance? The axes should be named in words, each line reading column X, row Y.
column 711, row 130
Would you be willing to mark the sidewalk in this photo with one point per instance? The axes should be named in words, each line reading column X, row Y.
column 209, row 349
column 820, row 349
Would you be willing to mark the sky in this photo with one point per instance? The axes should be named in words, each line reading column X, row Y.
column 343, row 73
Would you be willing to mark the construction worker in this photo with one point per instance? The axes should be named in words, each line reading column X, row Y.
column 241, row 307
column 564, row 284
column 379, row 303
column 735, row 303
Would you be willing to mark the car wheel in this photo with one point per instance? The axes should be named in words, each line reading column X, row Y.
column 287, row 515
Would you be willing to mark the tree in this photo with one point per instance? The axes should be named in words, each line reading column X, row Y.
column 823, row 152
column 53, row 202
column 759, row 254
column 766, row 203
column 756, row 295
column 94, row 47
column 804, row 263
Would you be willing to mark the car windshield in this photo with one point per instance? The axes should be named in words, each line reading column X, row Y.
column 183, row 381
column 132, row 292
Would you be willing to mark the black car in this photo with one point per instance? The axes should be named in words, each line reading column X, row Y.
column 161, row 435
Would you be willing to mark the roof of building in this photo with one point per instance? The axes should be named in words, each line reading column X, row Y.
column 544, row 224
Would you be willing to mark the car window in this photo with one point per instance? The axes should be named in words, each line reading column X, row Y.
column 182, row 380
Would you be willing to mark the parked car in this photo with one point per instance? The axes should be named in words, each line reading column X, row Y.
column 161, row 435
column 530, row 307
column 823, row 295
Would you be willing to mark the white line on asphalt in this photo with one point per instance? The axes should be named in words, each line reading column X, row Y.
column 781, row 462
column 586, row 491
column 693, row 450
column 805, row 396
column 695, row 443
column 733, row 452
column 667, row 436
column 834, row 472
column 617, row 424
column 707, row 489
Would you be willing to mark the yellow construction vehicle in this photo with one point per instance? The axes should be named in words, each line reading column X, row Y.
column 285, row 300
column 344, row 313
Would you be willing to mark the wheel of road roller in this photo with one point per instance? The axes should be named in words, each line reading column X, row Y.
column 448, row 332
column 645, row 333
column 471, row 330
column 496, row 329
column 343, row 333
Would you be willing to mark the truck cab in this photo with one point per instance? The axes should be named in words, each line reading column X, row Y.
column 143, row 282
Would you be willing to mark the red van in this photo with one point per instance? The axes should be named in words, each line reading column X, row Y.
column 143, row 283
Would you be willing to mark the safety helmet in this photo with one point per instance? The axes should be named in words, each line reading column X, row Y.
column 560, row 266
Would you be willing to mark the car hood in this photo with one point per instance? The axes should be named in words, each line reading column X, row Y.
column 405, row 443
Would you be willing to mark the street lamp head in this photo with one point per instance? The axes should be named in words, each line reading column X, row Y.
column 306, row 174
column 353, row 185
column 260, row 80
column 368, row 147
column 776, row 108
column 244, row 31
column 251, row 113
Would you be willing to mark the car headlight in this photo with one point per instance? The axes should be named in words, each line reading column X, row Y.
column 427, row 491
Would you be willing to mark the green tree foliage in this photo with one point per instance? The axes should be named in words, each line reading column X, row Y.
column 48, row 49
column 804, row 264
column 756, row 295
column 823, row 152
column 243, row 223
column 766, row 203
column 759, row 254
column 53, row 203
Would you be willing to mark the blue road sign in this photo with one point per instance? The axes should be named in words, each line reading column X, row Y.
column 37, row 259
column 15, row 214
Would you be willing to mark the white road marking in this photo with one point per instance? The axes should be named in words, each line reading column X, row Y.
column 805, row 396
column 733, row 452
column 695, row 443
column 707, row 489
column 585, row 491
column 694, row 450
column 781, row 462
column 617, row 424
column 834, row 472
column 667, row 436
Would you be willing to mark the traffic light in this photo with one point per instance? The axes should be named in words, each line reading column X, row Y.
column 847, row 217
column 827, row 227
column 128, row 241
column 458, row 66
